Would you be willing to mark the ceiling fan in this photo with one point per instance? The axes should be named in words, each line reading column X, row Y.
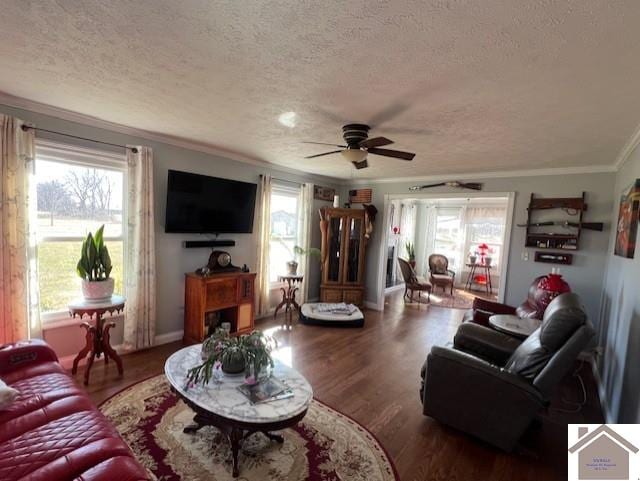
column 359, row 145
column 451, row 183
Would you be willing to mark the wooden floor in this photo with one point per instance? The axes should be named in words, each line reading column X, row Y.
column 372, row 375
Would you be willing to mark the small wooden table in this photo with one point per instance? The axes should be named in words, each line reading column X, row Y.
column 97, row 338
column 289, row 297
column 521, row 327
column 472, row 274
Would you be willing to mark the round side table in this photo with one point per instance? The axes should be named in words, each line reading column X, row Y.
column 97, row 337
column 289, row 297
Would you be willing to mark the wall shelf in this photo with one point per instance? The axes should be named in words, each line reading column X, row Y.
column 574, row 208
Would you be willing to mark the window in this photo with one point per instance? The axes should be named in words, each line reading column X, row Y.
column 77, row 190
column 448, row 235
column 486, row 226
column 284, row 228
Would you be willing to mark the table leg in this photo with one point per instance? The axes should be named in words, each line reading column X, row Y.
column 108, row 350
column 282, row 303
column 87, row 370
column 489, row 279
column 198, row 423
column 235, row 438
column 274, row 437
column 86, row 349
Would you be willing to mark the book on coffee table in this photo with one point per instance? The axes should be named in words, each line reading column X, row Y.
column 268, row 390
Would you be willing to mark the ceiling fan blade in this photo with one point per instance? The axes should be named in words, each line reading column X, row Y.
column 375, row 142
column 323, row 143
column 470, row 185
column 325, row 153
column 392, row 153
column 363, row 164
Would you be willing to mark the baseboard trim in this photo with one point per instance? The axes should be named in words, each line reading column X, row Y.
column 371, row 305
column 67, row 361
column 168, row 337
column 602, row 395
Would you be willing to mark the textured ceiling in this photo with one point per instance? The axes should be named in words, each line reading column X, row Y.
column 468, row 86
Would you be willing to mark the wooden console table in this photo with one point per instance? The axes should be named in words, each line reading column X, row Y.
column 229, row 293
column 471, row 279
column 97, row 338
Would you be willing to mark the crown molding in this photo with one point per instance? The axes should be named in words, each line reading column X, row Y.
column 628, row 149
column 502, row 174
column 70, row 116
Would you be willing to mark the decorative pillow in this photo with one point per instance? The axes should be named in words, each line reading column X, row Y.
column 7, row 395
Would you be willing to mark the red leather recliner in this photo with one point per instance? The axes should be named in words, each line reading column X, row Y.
column 534, row 306
column 53, row 432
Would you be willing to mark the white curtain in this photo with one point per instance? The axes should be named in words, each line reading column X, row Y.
column 305, row 214
column 17, row 149
column 264, row 239
column 407, row 228
column 140, row 278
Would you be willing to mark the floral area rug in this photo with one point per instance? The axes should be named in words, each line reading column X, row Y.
column 461, row 299
column 325, row 446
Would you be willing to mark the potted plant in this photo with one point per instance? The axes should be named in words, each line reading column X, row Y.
column 296, row 253
column 234, row 354
column 411, row 254
column 94, row 268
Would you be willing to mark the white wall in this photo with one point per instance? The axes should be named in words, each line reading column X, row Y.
column 585, row 275
column 619, row 329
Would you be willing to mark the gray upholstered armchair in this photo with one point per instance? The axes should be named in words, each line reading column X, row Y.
column 495, row 392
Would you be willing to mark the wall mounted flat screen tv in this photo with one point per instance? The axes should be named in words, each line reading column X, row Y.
column 203, row 204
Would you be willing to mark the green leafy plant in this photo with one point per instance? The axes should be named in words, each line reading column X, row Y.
column 222, row 348
column 411, row 251
column 95, row 262
column 311, row 251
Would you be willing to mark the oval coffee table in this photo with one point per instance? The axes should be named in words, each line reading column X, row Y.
column 220, row 404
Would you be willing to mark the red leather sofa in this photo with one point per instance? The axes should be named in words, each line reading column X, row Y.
column 53, row 432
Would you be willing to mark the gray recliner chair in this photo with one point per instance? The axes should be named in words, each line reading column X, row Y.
column 496, row 398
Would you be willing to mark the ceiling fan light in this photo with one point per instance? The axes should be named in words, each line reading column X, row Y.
column 354, row 155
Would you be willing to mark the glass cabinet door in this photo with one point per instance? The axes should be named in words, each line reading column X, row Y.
column 334, row 245
column 354, row 247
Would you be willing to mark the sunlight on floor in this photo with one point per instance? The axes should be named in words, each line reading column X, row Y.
column 284, row 354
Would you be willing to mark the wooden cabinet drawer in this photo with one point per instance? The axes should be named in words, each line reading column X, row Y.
column 353, row 297
column 221, row 293
column 331, row 295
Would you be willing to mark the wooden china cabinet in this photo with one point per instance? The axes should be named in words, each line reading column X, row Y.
column 343, row 255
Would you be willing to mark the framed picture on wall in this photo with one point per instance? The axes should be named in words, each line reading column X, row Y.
column 323, row 193
column 627, row 226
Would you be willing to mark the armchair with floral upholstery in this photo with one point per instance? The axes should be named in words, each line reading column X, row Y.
column 440, row 274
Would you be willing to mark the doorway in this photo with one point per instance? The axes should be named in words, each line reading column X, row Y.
column 472, row 231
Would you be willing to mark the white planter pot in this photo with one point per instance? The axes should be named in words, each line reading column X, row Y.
column 97, row 290
column 292, row 268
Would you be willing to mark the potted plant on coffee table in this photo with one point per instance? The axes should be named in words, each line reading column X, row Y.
column 94, row 268
column 250, row 354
